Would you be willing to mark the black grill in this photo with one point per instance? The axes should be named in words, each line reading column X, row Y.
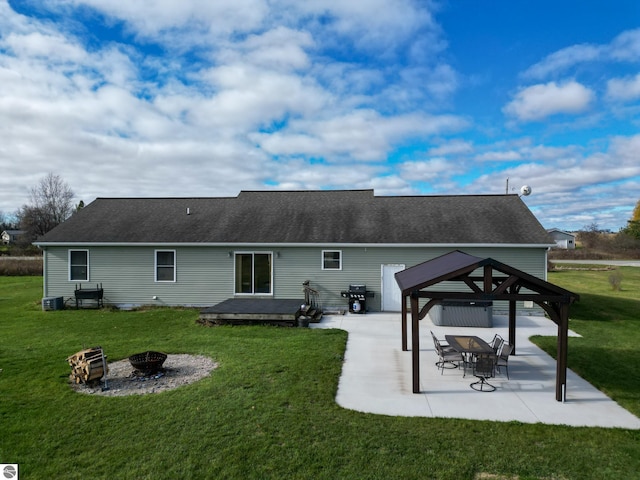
column 357, row 295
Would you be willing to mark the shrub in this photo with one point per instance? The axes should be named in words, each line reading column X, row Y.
column 615, row 280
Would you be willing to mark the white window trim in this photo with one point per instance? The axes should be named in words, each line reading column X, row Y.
column 322, row 260
column 155, row 265
column 69, row 264
column 252, row 253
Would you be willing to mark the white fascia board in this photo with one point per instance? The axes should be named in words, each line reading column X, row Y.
column 282, row 245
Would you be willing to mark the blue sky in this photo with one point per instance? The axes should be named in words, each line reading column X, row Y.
column 207, row 98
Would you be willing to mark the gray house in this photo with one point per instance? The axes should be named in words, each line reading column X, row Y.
column 202, row 251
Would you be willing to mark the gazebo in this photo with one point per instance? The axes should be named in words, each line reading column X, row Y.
column 480, row 279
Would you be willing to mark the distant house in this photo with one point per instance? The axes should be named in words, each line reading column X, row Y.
column 265, row 244
column 11, row 236
column 564, row 240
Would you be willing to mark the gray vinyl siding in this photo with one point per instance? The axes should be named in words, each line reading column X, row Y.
column 205, row 275
column 363, row 266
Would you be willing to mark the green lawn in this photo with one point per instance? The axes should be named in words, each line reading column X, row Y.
column 609, row 321
column 268, row 411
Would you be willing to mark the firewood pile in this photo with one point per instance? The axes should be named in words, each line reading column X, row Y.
column 87, row 365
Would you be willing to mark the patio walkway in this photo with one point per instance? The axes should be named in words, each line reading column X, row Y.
column 376, row 377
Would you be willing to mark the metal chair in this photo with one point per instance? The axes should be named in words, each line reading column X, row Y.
column 503, row 358
column 484, row 367
column 443, row 343
column 496, row 343
column 448, row 357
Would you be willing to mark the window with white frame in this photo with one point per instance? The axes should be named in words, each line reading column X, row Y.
column 165, row 266
column 79, row 265
column 254, row 273
column 331, row 260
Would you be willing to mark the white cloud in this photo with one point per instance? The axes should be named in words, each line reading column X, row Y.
column 562, row 60
column 362, row 135
column 279, row 49
column 247, row 98
column 183, row 23
column 53, row 48
column 373, row 25
column 626, row 46
column 499, row 156
column 370, row 24
column 623, row 48
column 543, row 100
column 433, row 170
column 453, row 147
column 543, row 152
column 624, row 89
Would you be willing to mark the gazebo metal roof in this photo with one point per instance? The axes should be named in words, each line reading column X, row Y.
column 497, row 281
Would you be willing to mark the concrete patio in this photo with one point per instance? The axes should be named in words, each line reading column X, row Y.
column 376, row 377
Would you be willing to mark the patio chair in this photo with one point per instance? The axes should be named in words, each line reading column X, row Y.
column 443, row 343
column 484, row 367
column 447, row 356
column 503, row 358
column 496, row 343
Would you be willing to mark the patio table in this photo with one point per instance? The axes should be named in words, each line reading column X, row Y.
column 468, row 346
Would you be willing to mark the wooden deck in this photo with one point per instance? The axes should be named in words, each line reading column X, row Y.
column 250, row 311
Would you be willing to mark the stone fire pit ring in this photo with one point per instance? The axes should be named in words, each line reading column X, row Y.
column 148, row 362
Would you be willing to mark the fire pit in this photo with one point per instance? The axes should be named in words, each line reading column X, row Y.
column 148, row 362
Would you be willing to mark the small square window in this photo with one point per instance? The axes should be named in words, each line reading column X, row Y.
column 79, row 265
column 331, row 260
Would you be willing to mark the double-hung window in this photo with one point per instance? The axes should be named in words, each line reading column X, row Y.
column 331, row 260
column 79, row 265
column 253, row 273
column 165, row 266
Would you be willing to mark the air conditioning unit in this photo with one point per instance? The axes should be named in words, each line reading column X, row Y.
column 52, row 303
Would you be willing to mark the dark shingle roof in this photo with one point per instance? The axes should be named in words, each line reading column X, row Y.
column 305, row 217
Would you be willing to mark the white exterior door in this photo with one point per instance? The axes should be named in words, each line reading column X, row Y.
column 391, row 295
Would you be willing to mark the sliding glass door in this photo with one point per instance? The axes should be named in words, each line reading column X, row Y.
column 253, row 273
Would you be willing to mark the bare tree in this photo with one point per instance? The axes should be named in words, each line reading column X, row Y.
column 590, row 235
column 50, row 204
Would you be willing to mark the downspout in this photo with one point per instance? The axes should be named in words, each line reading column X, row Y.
column 45, row 288
column 546, row 264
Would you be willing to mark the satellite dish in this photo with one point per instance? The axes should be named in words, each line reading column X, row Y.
column 525, row 190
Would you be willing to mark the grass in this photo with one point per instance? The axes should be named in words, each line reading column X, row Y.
column 609, row 322
column 268, row 411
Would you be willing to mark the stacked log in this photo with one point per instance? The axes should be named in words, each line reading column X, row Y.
column 87, row 365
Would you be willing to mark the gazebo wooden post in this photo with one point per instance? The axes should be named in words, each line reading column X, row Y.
column 404, row 323
column 512, row 325
column 488, row 279
column 563, row 345
column 415, row 341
